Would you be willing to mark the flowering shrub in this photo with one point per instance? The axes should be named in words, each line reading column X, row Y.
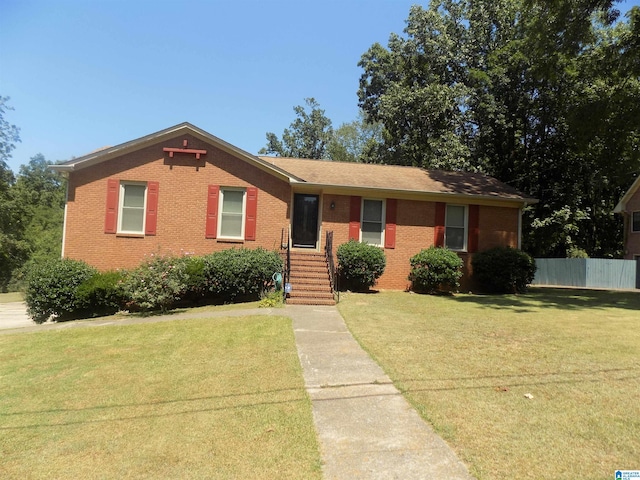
column 156, row 284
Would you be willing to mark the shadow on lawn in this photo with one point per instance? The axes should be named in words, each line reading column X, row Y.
column 560, row 298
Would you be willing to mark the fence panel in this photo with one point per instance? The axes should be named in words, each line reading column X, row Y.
column 586, row 272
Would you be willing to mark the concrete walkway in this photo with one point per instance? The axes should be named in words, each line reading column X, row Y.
column 366, row 429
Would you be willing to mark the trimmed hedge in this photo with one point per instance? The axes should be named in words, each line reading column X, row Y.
column 435, row 269
column 359, row 265
column 503, row 270
column 102, row 293
column 52, row 289
column 239, row 273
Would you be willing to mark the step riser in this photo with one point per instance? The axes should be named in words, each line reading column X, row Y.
column 309, row 279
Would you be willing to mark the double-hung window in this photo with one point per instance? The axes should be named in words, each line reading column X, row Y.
column 132, row 207
column 455, row 233
column 372, row 226
column 635, row 222
column 232, row 210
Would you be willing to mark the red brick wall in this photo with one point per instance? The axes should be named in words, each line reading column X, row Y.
column 415, row 231
column 182, row 203
column 632, row 246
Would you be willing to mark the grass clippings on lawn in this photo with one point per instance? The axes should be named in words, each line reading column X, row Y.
column 466, row 363
column 213, row 398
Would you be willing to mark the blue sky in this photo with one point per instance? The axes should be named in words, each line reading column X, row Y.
column 83, row 74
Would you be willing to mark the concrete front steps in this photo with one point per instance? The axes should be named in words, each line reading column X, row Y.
column 309, row 279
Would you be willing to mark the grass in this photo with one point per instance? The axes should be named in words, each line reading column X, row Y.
column 466, row 363
column 211, row 398
column 11, row 297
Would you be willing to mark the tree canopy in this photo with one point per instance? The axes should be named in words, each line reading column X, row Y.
column 543, row 95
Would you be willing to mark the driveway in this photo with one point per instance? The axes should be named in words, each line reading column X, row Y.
column 14, row 315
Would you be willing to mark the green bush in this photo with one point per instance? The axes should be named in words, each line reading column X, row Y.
column 503, row 270
column 435, row 269
column 239, row 273
column 102, row 293
column 157, row 284
column 359, row 265
column 195, row 288
column 52, row 289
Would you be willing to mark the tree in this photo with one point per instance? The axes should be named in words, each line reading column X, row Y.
column 356, row 141
column 541, row 94
column 308, row 136
column 12, row 249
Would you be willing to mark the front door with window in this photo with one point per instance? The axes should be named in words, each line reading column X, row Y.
column 305, row 220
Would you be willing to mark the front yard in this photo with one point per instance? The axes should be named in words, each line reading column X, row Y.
column 213, row 398
column 467, row 362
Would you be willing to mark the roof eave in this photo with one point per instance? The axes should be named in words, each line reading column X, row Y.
column 350, row 189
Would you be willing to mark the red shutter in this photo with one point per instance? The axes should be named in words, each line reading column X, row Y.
column 211, row 230
column 111, row 216
column 151, row 222
column 252, row 210
column 441, row 209
column 354, row 218
column 390, row 228
column 474, row 230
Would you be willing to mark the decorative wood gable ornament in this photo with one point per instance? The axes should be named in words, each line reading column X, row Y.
column 184, row 149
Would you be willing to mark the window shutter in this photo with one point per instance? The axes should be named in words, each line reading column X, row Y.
column 111, row 216
column 252, row 210
column 354, row 218
column 151, row 221
column 474, row 230
column 441, row 209
column 390, row 228
column 211, row 230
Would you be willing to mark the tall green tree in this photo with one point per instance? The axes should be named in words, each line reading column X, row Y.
column 356, row 141
column 541, row 94
column 12, row 249
column 307, row 137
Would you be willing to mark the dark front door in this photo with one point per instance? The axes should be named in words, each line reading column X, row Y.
column 305, row 220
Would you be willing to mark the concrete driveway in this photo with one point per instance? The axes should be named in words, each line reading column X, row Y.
column 14, row 315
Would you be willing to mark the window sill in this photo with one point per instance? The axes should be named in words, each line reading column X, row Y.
column 130, row 235
column 230, row 240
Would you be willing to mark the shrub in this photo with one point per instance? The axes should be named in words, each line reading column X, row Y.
column 239, row 273
column 435, row 269
column 102, row 293
column 359, row 265
column 503, row 270
column 195, row 288
column 52, row 289
column 156, row 284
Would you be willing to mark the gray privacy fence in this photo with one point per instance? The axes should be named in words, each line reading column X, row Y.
column 587, row 272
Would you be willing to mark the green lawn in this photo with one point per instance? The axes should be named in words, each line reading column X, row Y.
column 214, row 398
column 466, row 363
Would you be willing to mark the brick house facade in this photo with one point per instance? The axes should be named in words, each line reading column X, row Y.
column 183, row 191
column 629, row 208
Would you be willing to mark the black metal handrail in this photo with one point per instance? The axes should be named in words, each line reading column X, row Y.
column 333, row 277
column 285, row 244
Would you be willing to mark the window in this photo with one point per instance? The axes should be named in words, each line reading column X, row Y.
column 372, row 226
column 455, row 233
column 635, row 222
column 232, row 208
column 132, row 207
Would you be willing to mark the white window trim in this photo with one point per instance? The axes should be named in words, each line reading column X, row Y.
column 121, row 207
column 631, row 222
column 465, row 245
column 384, row 219
column 220, row 212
